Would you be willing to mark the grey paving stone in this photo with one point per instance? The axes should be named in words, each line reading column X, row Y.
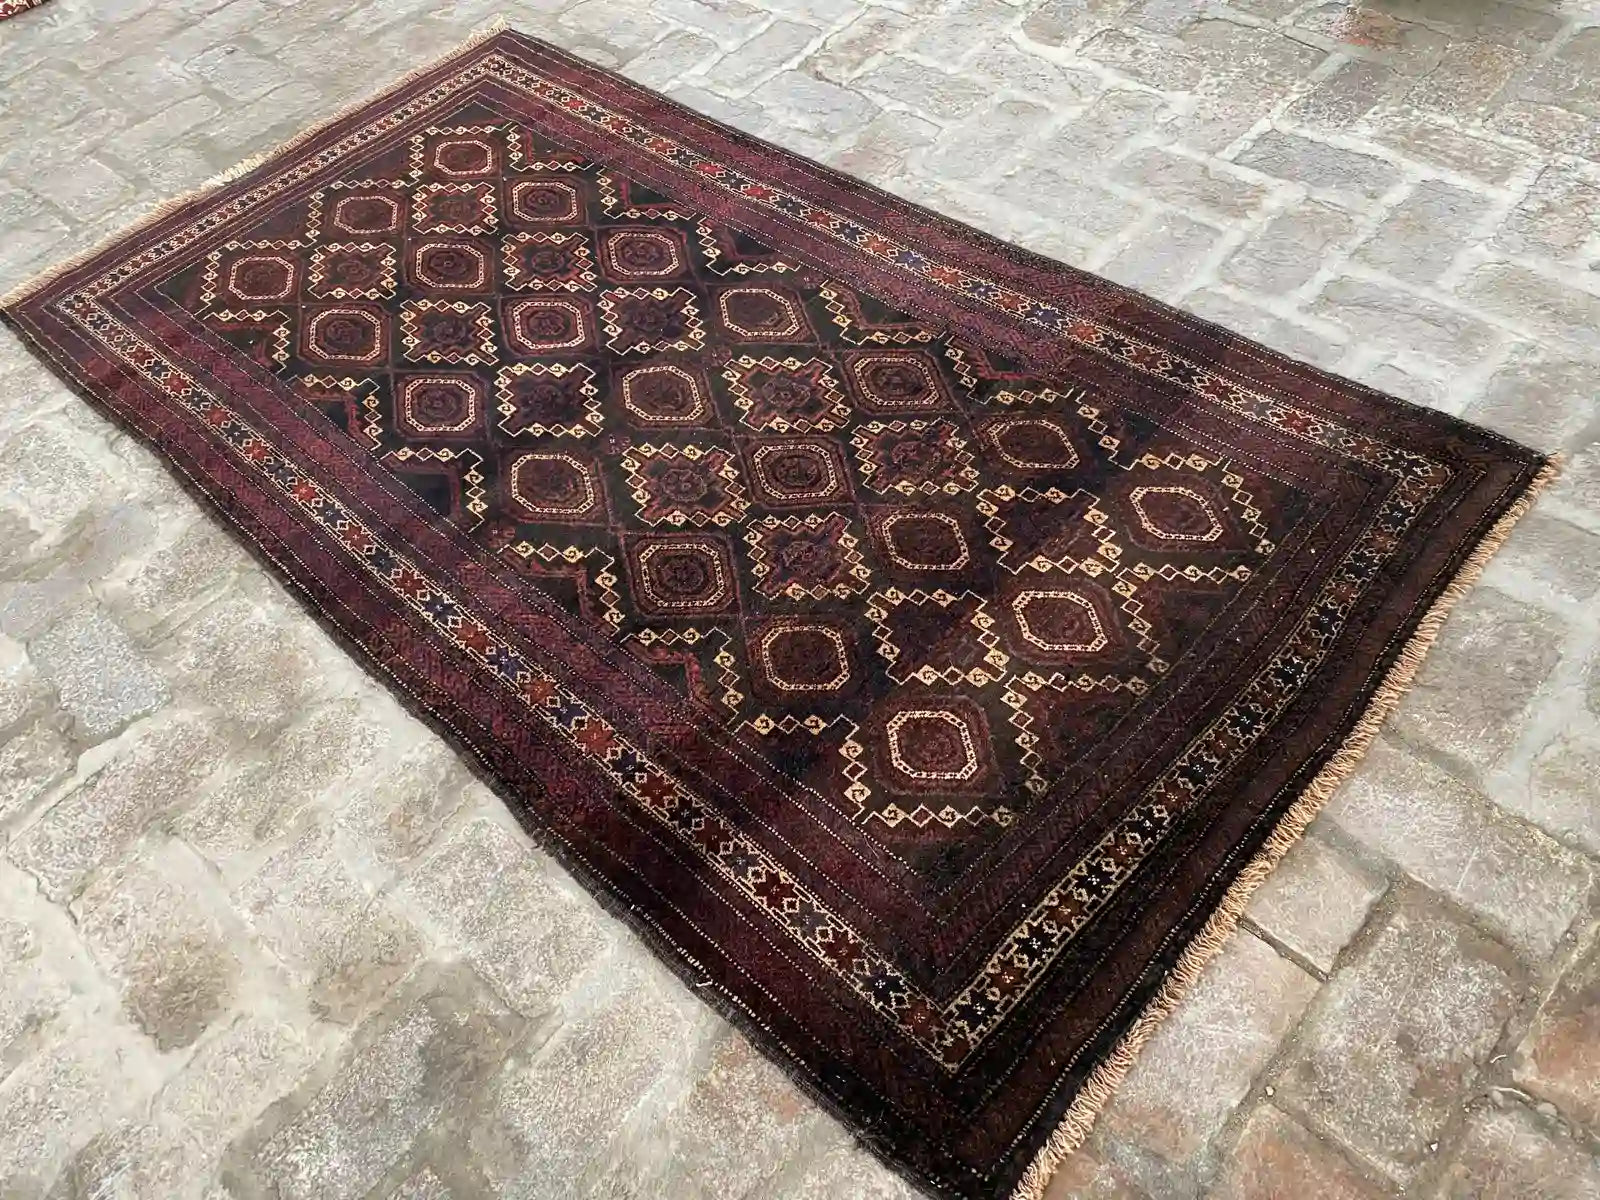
column 1539, row 397
column 1192, row 184
column 483, row 892
column 874, row 31
column 1276, row 1156
column 1524, row 885
column 1548, row 126
column 1164, row 257
column 733, row 1132
column 967, row 27
column 1511, row 1155
column 1559, row 1058
column 153, row 769
column 1289, row 249
column 156, row 924
column 1467, row 78
column 1421, row 235
column 1559, row 797
column 730, row 21
column 1432, row 141
column 674, row 55
column 1203, row 1060
column 932, row 92
column 1296, row 341
column 444, row 1037
column 1344, row 97
column 1342, row 174
column 1315, row 902
column 1548, row 307
column 30, row 761
column 1385, row 1077
column 1007, row 67
column 259, row 803
column 778, row 45
column 101, row 679
column 552, row 1114
column 814, row 105
column 1388, row 316
column 1558, row 217
column 1552, row 559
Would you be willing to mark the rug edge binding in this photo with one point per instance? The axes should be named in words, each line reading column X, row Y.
column 32, row 286
column 1075, row 1125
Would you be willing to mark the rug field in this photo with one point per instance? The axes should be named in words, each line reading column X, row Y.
column 924, row 645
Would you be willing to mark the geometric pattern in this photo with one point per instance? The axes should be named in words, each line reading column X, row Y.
column 917, row 637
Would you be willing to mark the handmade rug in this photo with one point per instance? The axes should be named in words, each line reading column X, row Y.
column 925, row 645
column 12, row 8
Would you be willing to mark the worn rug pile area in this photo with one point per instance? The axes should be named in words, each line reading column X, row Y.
column 925, row 645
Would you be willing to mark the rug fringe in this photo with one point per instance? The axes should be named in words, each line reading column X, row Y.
column 1075, row 1124
column 239, row 170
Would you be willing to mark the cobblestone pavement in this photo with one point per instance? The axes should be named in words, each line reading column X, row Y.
column 261, row 934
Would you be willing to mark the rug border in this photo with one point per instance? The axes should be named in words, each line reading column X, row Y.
column 1075, row 1125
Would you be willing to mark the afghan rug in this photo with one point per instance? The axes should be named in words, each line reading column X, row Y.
column 925, row 645
column 13, row 8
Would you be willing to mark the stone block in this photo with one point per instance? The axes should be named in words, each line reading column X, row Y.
column 1115, row 118
column 421, row 1060
column 1394, row 319
column 1276, row 1156
column 397, row 808
column 50, row 472
column 260, row 802
column 168, row 585
column 815, row 106
column 1007, row 67
column 1204, row 1058
column 734, row 1130
column 729, row 21
column 1287, row 251
column 1549, row 127
column 1163, row 257
column 1491, row 658
column 485, row 895
column 1296, row 341
column 1557, row 219
column 1149, row 59
column 1570, row 77
column 1385, row 1077
column 1422, row 235
column 1195, row 185
column 780, row 44
column 874, row 31
column 1344, row 97
column 1468, row 77
column 247, row 660
column 552, row 1115
column 851, row 1171
column 54, row 1103
column 152, row 771
column 1562, row 796
column 1511, row 1155
column 880, row 153
column 1345, row 175
column 595, row 24
column 101, row 679
column 674, row 55
column 326, row 924
column 1315, row 902
column 935, row 94
column 1525, row 297
column 237, row 74
column 1524, row 885
column 1088, row 1175
column 1559, row 1058
column 30, row 761
column 1539, row 397
column 1085, row 211
column 155, row 926
column 1550, row 559
column 984, row 143
column 1057, row 22
column 963, row 29
column 1432, row 141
